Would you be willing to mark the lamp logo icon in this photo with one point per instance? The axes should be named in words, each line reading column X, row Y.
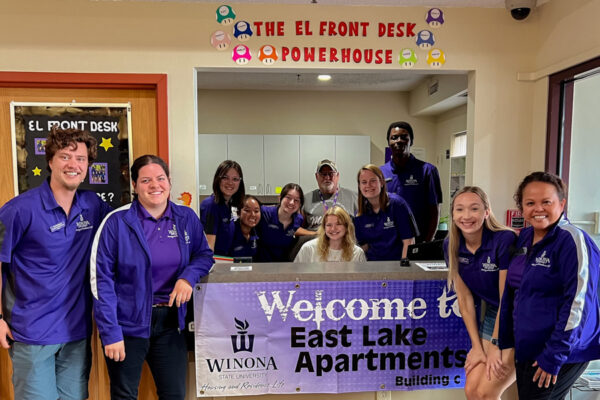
column 242, row 341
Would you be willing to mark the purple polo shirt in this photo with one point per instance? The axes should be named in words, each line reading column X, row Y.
column 275, row 240
column 384, row 231
column 480, row 271
column 242, row 247
column 163, row 241
column 522, row 257
column 218, row 219
column 418, row 183
column 45, row 255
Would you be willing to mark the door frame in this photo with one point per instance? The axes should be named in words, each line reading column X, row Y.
column 559, row 117
column 66, row 80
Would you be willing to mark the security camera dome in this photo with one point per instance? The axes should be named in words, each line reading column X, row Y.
column 520, row 13
column 520, row 9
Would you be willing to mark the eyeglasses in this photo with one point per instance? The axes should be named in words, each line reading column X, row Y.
column 330, row 174
column 235, row 179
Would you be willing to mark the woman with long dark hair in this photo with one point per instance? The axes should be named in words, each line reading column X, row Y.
column 219, row 211
column 279, row 223
column 245, row 238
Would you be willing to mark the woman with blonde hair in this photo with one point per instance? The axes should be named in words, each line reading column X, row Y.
column 478, row 251
column 335, row 240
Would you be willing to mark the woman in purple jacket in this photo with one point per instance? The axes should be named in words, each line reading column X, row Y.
column 550, row 312
column 146, row 257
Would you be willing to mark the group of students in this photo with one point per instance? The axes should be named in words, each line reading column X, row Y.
column 237, row 225
column 540, row 322
column 396, row 205
column 540, row 290
column 231, row 218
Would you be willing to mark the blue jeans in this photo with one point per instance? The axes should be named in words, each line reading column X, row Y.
column 166, row 354
column 486, row 327
column 50, row 372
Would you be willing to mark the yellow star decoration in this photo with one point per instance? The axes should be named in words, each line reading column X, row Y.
column 37, row 171
column 106, row 143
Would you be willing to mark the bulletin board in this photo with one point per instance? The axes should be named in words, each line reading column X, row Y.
column 110, row 124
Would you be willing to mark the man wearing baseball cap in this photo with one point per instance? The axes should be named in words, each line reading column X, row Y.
column 327, row 195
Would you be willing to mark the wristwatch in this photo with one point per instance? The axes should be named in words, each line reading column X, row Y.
column 494, row 341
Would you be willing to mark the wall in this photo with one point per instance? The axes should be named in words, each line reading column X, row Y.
column 567, row 33
column 448, row 87
column 172, row 38
column 312, row 113
column 447, row 124
column 506, row 116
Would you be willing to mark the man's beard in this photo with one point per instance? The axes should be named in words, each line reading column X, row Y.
column 328, row 187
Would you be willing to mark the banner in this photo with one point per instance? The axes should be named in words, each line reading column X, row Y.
column 327, row 337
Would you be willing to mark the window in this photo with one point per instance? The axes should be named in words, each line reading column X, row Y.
column 458, row 147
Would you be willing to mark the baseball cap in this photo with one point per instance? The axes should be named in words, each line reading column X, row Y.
column 328, row 163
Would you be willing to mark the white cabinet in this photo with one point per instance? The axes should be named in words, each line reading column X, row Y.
column 351, row 153
column 247, row 150
column 314, row 148
column 212, row 150
column 281, row 162
column 271, row 161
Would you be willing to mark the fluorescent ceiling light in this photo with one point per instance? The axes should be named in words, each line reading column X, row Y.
column 324, row 77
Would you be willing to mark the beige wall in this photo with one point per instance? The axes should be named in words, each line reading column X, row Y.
column 312, row 113
column 172, row 38
column 506, row 115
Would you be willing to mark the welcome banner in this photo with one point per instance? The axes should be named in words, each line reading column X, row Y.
column 327, row 337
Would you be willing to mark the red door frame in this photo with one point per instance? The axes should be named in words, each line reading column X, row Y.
column 157, row 82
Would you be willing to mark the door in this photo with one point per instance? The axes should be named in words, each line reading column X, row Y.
column 573, row 140
column 145, row 122
column 584, row 189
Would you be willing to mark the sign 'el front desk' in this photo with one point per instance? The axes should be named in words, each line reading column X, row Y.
column 326, row 328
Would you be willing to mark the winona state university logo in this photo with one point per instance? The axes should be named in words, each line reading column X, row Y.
column 241, row 341
column 542, row 261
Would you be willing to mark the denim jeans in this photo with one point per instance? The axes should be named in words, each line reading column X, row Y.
column 50, row 372
column 166, row 354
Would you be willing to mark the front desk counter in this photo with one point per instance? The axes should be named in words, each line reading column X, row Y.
column 332, row 271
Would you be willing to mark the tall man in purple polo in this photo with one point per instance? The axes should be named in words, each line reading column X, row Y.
column 46, row 300
column 416, row 181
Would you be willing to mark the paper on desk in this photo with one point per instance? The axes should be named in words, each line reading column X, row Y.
column 433, row 266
